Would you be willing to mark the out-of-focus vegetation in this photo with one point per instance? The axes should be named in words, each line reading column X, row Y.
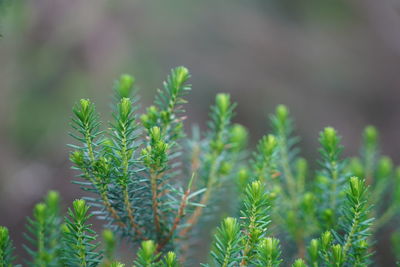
column 331, row 61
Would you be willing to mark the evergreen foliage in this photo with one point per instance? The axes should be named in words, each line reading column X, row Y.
column 331, row 177
column 44, row 232
column 79, row 240
column 154, row 187
column 6, row 248
column 349, row 247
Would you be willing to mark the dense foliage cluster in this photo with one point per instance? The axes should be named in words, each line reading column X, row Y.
column 154, row 187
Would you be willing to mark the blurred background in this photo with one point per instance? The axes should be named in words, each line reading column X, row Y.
column 333, row 62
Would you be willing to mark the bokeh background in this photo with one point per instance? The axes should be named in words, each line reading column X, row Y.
column 333, row 62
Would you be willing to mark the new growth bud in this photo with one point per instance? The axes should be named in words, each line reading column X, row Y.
column 149, row 248
column 80, row 208
column 39, row 212
column 243, row 177
column 326, row 240
column 370, row 137
column 356, row 187
column 4, row 236
column 282, row 113
column 77, row 158
column 385, row 167
column 238, row 137
column 155, row 154
column 170, row 259
column 337, row 253
column 155, row 134
column 223, row 102
column 181, row 76
column 125, row 108
column 85, row 104
column 313, row 249
column 269, row 144
column 53, row 202
column 151, row 117
column 109, row 238
column 270, row 247
column 117, row 264
column 124, row 85
column 84, row 111
column 299, row 263
column 231, row 227
column 329, row 139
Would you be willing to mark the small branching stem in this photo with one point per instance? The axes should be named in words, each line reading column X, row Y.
column 111, row 210
column 154, row 190
column 95, row 181
column 177, row 220
column 195, row 163
column 131, row 217
column 227, row 255
column 89, row 143
column 334, row 186
column 125, row 172
column 290, row 181
column 248, row 247
column 193, row 219
column 80, row 245
column 125, row 164
column 354, row 226
column 40, row 244
column 104, row 197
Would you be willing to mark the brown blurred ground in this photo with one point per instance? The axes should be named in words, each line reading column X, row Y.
column 332, row 62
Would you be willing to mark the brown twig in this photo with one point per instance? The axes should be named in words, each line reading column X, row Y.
column 204, row 200
column 95, row 181
column 196, row 214
column 111, row 210
column 153, row 180
column 177, row 220
column 131, row 217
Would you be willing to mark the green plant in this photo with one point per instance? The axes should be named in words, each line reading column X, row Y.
column 6, row 248
column 154, row 187
column 347, row 247
column 44, row 232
